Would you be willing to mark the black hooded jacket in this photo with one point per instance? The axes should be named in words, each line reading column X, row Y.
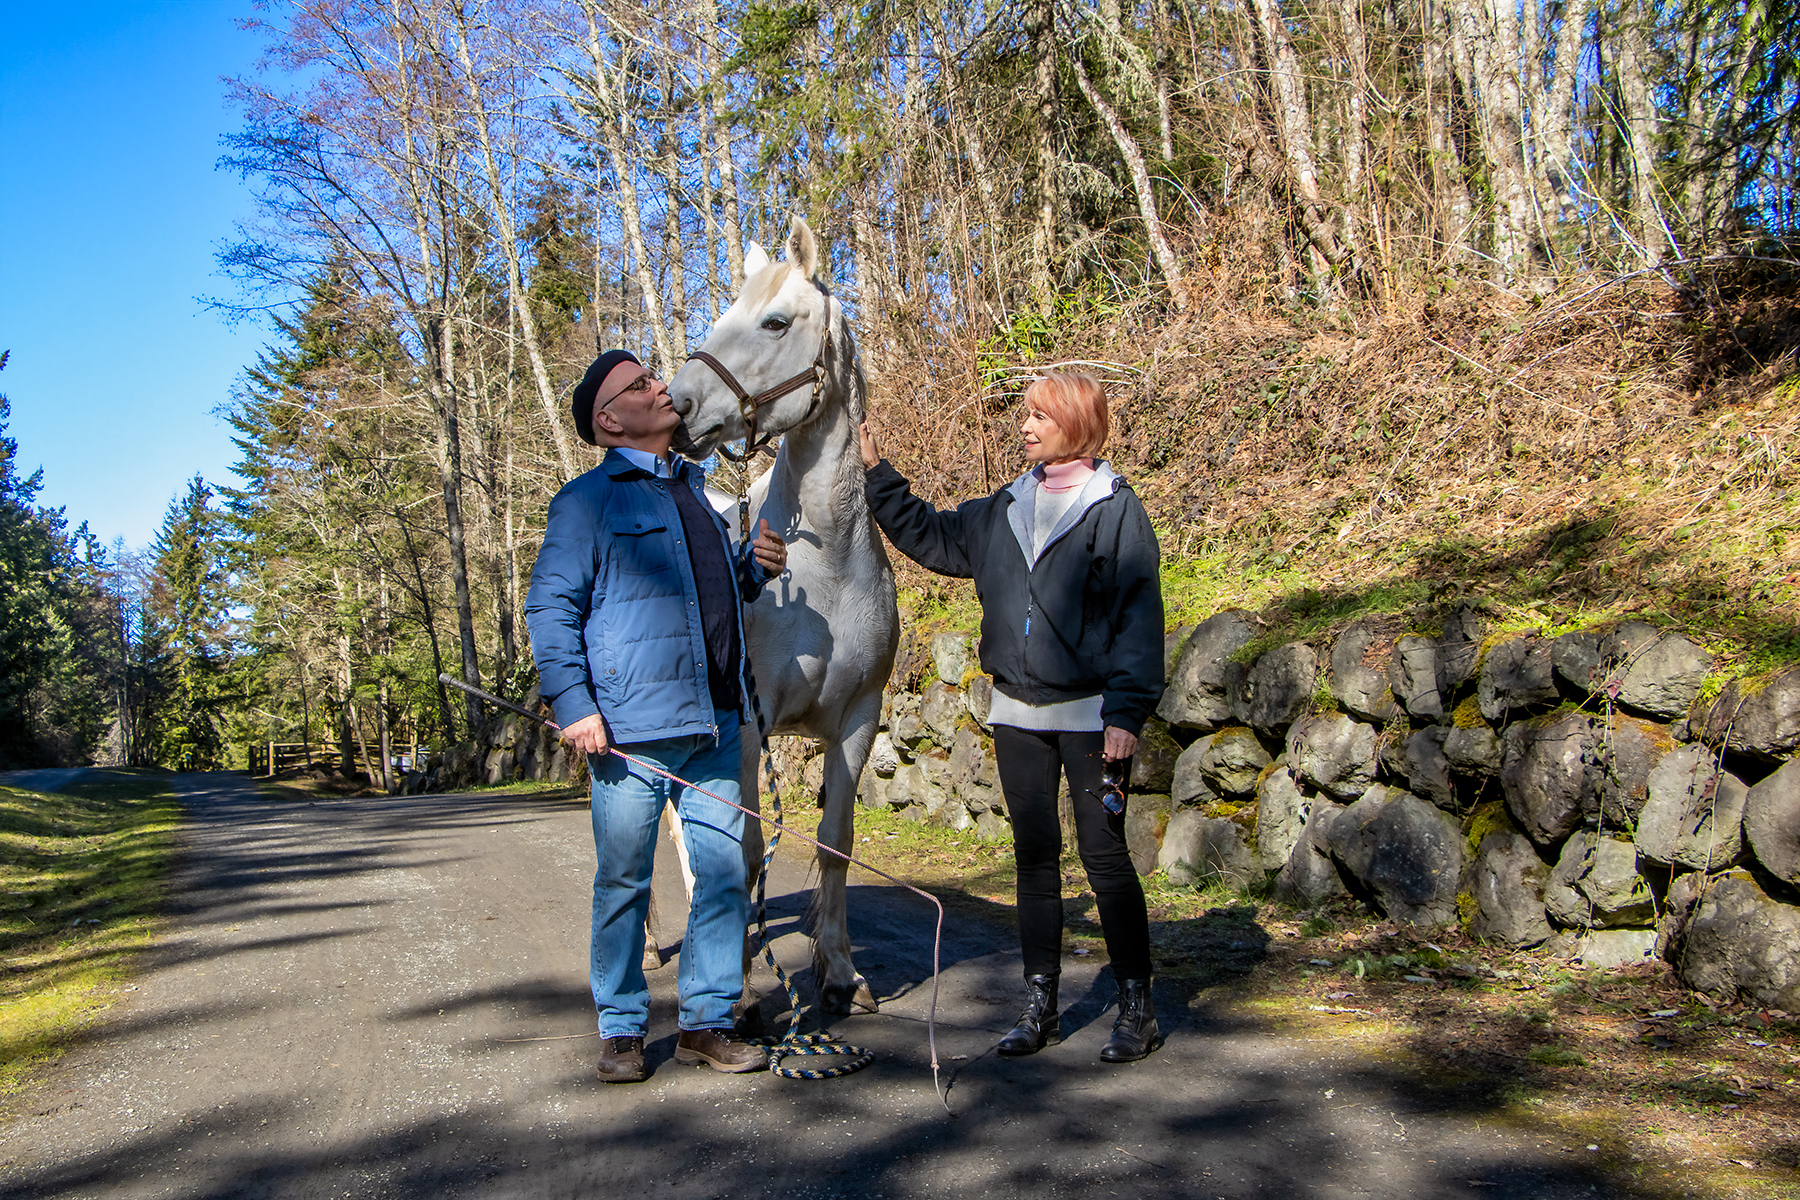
column 1085, row 618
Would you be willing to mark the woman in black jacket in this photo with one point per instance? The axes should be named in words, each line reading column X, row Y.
column 1065, row 564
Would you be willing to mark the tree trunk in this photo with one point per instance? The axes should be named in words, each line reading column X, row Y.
column 1632, row 34
column 1449, row 189
column 1356, row 122
column 386, row 737
column 507, row 585
column 674, row 247
column 964, row 119
column 1520, row 259
column 866, row 254
column 505, row 230
column 1488, row 56
column 715, row 139
column 709, row 218
column 1041, row 31
column 1165, row 70
column 428, row 618
column 384, row 628
column 1557, row 157
column 346, row 679
column 1285, row 90
column 610, row 127
column 450, row 475
column 730, row 213
column 1140, row 179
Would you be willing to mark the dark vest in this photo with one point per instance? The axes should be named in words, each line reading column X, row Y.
column 717, row 585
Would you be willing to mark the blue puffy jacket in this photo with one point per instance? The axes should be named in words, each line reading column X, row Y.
column 613, row 610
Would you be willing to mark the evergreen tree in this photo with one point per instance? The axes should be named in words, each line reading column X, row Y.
column 29, row 565
column 334, row 558
column 187, row 627
column 53, row 693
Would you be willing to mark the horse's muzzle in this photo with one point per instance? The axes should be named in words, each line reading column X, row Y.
column 687, row 445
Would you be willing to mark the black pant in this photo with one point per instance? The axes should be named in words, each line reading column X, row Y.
column 1030, row 763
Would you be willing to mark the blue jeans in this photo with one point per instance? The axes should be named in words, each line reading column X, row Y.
column 627, row 804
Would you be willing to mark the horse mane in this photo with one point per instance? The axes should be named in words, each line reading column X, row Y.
column 848, row 503
column 770, row 281
column 842, row 337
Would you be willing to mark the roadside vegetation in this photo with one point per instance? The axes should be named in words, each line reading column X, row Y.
column 82, row 874
column 1624, row 446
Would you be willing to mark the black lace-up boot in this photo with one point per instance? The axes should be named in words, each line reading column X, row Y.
column 1135, row 1033
column 1038, row 1025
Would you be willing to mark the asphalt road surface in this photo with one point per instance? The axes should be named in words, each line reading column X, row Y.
column 347, row 1002
column 44, row 779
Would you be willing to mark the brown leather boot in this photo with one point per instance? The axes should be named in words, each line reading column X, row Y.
column 720, row 1049
column 622, row 1060
column 1039, row 1024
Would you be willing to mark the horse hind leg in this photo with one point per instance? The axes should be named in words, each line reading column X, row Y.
column 653, row 954
column 840, row 985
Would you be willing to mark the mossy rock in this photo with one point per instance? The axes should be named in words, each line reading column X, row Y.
column 1467, row 908
column 1491, row 817
column 1467, row 715
column 1492, row 640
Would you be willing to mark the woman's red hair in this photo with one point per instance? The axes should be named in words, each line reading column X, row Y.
column 1076, row 401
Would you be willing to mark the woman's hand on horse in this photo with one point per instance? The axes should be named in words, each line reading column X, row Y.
column 769, row 549
column 588, row 735
column 871, row 453
column 1119, row 744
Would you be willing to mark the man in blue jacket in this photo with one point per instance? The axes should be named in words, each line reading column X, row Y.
column 636, row 620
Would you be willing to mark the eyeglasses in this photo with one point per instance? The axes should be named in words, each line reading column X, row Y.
column 640, row 384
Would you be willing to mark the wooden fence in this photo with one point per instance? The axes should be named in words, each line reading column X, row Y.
column 271, row 758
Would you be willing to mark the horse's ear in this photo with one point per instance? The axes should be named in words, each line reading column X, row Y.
column 803, row 249
column 755, row 259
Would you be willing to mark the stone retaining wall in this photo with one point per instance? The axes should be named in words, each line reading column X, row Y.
column 1576, row 793
column 514, row 749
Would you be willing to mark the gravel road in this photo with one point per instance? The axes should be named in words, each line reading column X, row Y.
column 347, row 1000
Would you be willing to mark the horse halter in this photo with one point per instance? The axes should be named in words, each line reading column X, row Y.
column 748, row 404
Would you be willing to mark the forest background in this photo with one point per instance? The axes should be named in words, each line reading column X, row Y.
column 1397, row 300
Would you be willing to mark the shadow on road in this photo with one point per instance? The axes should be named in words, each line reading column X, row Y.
column 469, row 1009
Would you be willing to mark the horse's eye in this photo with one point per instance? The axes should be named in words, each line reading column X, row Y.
column 775, row 323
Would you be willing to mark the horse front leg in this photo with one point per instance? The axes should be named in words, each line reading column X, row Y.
column 749, row 1005
column 839, row 984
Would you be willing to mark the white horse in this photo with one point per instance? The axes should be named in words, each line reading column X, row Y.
column 821, row 639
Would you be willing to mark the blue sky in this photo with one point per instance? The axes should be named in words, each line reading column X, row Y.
column 111, row 213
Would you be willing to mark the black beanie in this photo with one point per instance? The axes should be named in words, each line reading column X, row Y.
column 582, row 406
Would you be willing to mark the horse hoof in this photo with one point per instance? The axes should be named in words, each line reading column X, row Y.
column 838, row 998
column 653, row 959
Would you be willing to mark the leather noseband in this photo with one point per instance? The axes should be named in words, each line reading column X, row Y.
column 748, row 404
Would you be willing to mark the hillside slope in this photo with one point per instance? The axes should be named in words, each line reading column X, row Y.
column 1621, row 446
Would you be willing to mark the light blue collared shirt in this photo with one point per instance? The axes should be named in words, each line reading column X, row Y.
column 658, row 465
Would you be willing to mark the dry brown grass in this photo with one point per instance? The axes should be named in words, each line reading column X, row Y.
column 1619, row 446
